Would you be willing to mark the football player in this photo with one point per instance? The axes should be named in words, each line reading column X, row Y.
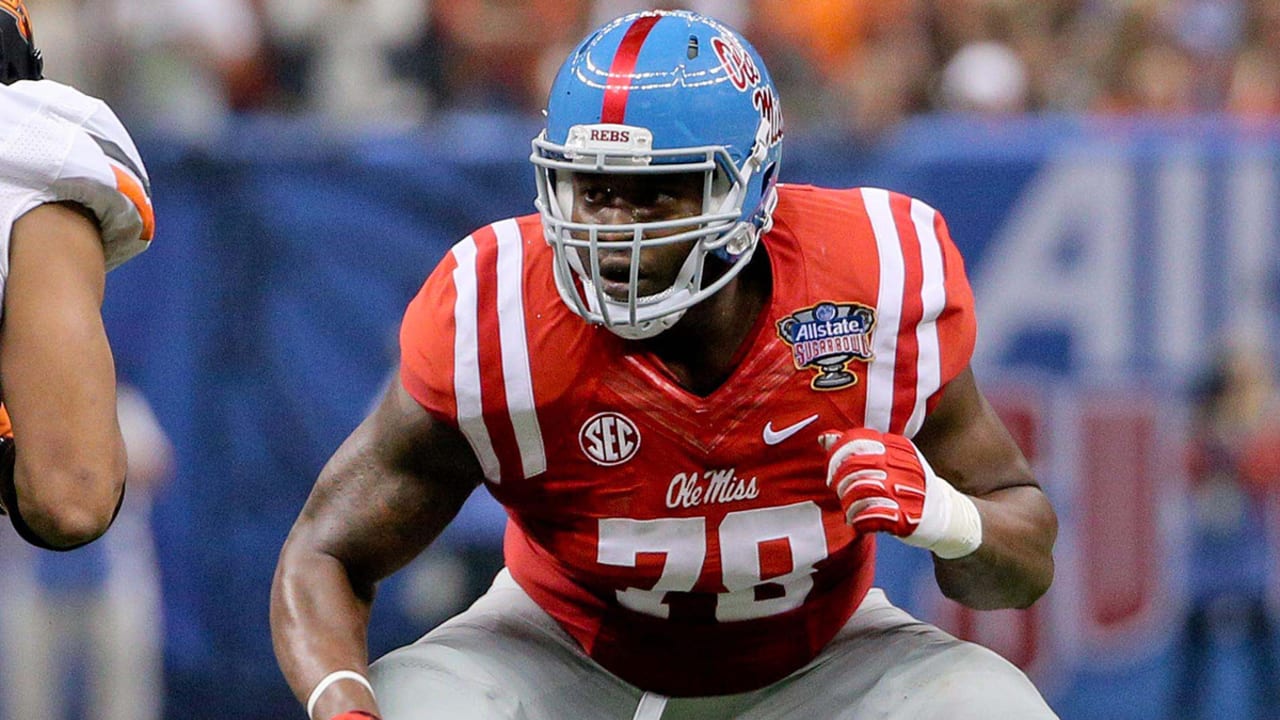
column 75, row 202
column 701, row 396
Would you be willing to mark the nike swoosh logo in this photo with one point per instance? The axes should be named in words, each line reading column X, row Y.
column 773, row 437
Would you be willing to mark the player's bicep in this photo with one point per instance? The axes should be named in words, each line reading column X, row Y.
column 389, row 490
column 966, row 442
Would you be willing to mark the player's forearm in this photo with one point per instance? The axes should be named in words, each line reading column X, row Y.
column 70, row 463
column 319, row 624
column 1014, row 564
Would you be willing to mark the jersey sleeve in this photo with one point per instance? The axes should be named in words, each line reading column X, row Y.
column 426, row 343
column 936, row 329
column 925, row 327
column 58, row 144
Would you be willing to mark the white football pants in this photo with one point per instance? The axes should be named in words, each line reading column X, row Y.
column 506, row 659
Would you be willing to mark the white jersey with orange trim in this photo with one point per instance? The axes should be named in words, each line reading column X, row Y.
column 689, row 544
column 58, row 144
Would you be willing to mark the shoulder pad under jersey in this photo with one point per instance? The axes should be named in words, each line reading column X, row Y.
column 58, row 144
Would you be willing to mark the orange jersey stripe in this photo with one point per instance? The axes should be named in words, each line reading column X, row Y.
column 6, row 427
column 132, row 189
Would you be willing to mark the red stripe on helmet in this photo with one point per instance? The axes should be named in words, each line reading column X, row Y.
column 624, row 64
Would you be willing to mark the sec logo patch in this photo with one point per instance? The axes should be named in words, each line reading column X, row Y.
column 609, row 439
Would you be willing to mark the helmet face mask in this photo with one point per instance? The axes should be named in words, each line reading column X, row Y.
column 683, row 110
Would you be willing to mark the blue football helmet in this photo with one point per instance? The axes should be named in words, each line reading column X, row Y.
column 659, row 92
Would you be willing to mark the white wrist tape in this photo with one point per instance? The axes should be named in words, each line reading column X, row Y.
column 950, row 525
column 332, row 678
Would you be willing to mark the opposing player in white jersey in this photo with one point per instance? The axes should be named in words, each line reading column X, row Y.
column 701, row 396
column 75, row 202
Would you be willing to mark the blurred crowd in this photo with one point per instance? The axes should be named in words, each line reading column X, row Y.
column 859, row 64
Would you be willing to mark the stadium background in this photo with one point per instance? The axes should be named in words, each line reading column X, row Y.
column 1113, row 246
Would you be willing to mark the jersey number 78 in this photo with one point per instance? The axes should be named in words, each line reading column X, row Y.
column 741, row 535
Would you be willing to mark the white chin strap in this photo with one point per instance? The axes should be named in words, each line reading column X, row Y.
column 617, row 315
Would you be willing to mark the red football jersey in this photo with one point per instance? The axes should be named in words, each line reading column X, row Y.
column 689, row 543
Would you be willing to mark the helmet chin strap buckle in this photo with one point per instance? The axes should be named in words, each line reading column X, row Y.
column 741, row 240
column 760, row 148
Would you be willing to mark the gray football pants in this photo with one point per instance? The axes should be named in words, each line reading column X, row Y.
column 506, row 659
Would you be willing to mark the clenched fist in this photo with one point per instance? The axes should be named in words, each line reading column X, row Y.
column 886, row 485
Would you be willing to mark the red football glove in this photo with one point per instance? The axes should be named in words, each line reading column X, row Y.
column 355, row 715
column 886, row 485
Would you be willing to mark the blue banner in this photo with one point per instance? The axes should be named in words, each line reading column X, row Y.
column 1108, row 258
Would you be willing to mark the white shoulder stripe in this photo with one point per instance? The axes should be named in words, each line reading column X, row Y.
column 466, row 360
column 880, row 373
column 515, row 349
column 933, row 296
